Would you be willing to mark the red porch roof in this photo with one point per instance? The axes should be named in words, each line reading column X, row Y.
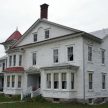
column 14, row 69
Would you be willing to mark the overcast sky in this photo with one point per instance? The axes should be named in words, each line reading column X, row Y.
column 86, row 15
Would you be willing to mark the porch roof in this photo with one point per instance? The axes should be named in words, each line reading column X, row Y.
column 14, row 69
column 61, row 66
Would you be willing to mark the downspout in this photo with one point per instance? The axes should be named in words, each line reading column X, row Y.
column 83, row 71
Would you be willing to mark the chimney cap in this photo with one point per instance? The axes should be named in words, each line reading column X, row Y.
column 44, row 5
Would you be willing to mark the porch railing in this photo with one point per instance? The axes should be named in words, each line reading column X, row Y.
column 35, row 93
column 29, row 93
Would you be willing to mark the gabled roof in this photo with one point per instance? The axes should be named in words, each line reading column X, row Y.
column 100, row 33
column 14, row 36
column 46, row 21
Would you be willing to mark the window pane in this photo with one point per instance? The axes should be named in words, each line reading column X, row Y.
column 56, row 80
column 13, row 80
column 103, row 56
column 70, row 53
column 10, row 60
column 103, row 81
column 64, row 81
column 19, row 81
column 35, row 37
column 55, row 55
column 90, row 80
column 46, row 33
column 20, row 60
column 72, row 80
column 14, row 60
column 8, row 81
column 48, row 80
column 34, row 58
column 89, row 53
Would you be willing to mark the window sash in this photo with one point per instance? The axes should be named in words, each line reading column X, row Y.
column 46, row 33
column 64, row 81
column 35, row 37
column 48, row 80
column 55, row 55
column 10, row 60
column 13, row 80
column 103, row 56
column 103, row 81
column 19, row 81
column 90, row 81
column 8, row 81
column 72, row 80
column 20, row 60
column 14, row 60
column 70, row 53
column 34, row 58
column 89, row 53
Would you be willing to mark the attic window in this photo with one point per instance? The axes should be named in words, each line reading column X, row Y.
column 35, row 37
column 46, row 34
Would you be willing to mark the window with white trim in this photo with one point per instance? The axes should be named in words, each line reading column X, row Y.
column 90, row 76
column 8, row 81
column 20, row 60
column 103, row 56
column 103, row 81
column 64, row 80
column 13, row 80
column 34, row 58
column 56, row 80
column 70, row 53
column 14, row 60
column 55, row 55
column 35, row 37
column 10, row 60
column 19, row 81
column 89, row 53
column 48, row 82
column 46, row 34
column 72, row 80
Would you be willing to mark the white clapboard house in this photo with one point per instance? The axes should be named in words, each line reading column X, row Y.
column 58, row 62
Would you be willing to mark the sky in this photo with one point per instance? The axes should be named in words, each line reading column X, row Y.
column 85, row 15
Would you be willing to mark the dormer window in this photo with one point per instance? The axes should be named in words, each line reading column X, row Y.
column 35, row 37
column 46, row 34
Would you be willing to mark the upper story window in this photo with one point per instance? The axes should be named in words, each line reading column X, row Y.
column 55, row 55
column 20, row 60
column 103, row 56
column 14, row 60
column 103, row 81
column 89, row 53
column 46, row 34
column 34, row 58
column 3, row 67
column 70, row 53
column 10, row 60
column 35, row 37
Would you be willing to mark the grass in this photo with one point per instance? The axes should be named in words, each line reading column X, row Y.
column 40, row 102
column 4, row 98
column 49, row 105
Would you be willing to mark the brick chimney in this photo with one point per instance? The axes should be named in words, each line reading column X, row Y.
column 44, row 11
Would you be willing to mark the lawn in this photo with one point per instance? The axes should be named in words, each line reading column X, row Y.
column 49, row 105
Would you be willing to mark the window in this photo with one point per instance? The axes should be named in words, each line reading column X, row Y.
column 56, row 80
column 8, row 81
column 20, row 60
column 70, row 53
column 103, row 81
column 48, row 80
column 64, row 82
column 46, row 34
column 10, row 60
column 35, row 37
column 55, row 55
column 19, row 81
column 34, row 58
column 13, row 80
column 89, row 53
column 3, row 67
column 103, row 56
column 90, row 80
column 72, row 80
column 14, row 60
